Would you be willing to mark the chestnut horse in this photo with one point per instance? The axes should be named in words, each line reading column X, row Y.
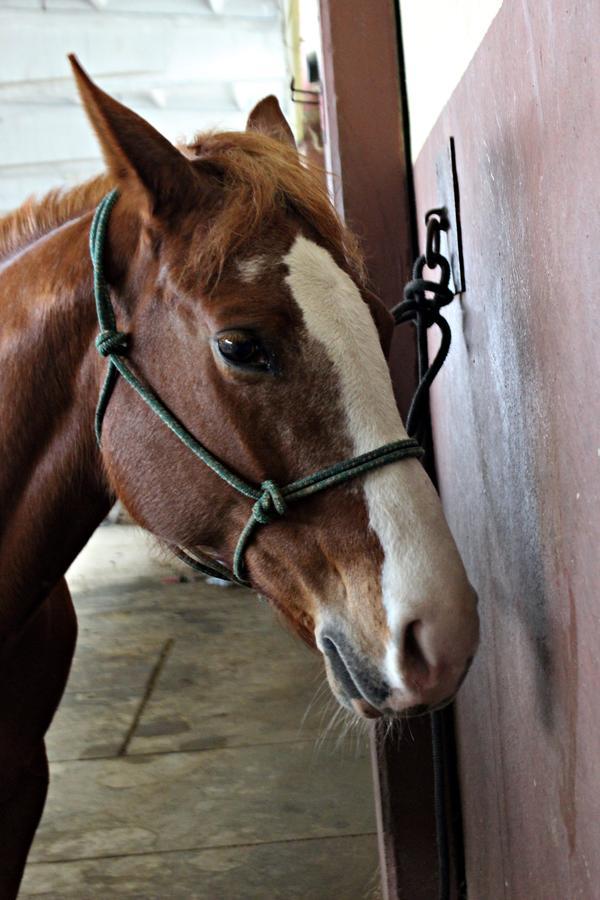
column 244, row 300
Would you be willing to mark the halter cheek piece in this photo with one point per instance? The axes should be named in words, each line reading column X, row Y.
column 270, row 500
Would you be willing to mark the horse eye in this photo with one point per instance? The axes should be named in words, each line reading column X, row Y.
column 243, row 349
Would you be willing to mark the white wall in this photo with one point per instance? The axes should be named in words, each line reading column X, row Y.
column 440, row 38
column 185, row 65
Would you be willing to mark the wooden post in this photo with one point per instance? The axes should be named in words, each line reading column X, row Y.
column 365, row 152
column 364, row 133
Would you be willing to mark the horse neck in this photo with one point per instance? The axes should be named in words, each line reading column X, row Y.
column 52, row 491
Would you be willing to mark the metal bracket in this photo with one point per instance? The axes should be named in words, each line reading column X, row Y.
column 449, row 198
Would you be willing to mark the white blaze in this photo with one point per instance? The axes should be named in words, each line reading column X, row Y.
column 336, row 315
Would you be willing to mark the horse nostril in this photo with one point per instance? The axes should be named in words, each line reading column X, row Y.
column 422, row 662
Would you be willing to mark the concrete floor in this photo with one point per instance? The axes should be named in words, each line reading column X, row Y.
column 184, row 763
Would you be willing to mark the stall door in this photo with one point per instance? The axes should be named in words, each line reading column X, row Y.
column 516, row 419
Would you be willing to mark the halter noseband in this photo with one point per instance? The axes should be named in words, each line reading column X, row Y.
column 270, row 500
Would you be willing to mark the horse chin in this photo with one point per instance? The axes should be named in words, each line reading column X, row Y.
column 365, row 710
column 356, row 705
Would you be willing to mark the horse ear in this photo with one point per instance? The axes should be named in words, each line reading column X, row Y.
column 133, row 149
column 267, row 118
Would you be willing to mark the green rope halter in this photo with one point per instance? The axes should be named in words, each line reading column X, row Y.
column 270, row 500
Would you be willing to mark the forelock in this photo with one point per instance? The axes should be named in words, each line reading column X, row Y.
column 256, row 179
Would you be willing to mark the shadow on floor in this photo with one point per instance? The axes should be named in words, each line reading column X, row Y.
column 184, row 762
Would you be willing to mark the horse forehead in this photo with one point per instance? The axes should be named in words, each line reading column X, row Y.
column 251, row 268
column 315, row 275
column 334, row 310
column 335, row 313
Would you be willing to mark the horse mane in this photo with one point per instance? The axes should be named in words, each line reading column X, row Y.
column 258, row 177
column 36, row 218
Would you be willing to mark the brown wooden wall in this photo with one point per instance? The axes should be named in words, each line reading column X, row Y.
column 517, row 433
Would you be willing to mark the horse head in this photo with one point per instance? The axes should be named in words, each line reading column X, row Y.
column 244, row 302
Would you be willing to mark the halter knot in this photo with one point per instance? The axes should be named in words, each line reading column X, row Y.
column 109, row 342
column 270, row 504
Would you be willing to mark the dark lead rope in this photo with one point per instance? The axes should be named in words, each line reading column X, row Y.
column 270, row 500
column 425, row 312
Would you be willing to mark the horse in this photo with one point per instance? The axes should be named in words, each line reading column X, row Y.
column 247, row 310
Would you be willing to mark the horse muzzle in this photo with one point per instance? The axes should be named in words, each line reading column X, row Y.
column 359, row 685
